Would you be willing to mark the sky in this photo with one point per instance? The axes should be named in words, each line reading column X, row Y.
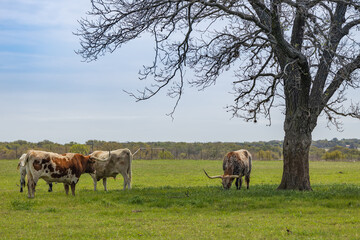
column 47, row 92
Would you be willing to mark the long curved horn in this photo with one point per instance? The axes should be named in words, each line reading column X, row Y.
column 100, row 159
column 231, row 176
column 213, row 177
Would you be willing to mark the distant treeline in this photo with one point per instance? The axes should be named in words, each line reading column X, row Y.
column 345, row 149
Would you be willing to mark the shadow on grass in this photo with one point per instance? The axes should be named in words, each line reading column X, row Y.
column 22, row 204
column 215, row 198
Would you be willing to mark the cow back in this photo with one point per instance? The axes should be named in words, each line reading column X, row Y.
column 237, row 163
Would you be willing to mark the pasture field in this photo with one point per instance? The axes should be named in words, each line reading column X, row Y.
column 173, row 199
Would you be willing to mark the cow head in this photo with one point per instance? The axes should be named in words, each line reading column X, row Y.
column 90, row 166
column 226, row 179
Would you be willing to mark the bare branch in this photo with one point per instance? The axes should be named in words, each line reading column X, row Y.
column 301, row 53
column 343, row 74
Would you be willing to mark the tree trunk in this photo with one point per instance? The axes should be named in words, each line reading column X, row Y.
column 296, row 148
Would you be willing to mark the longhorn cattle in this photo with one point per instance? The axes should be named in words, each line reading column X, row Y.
column 53, row 167
column 235, row 165
column 21, row 167
column 110, row 164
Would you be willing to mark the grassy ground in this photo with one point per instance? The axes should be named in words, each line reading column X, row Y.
column 174, row 200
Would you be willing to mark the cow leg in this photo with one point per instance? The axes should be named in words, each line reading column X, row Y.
column 50, row 187
column 237, row 183
column 22, row 178
column 66, row 187
column 126, row 180
column 31, row 186
column 73, row 188
column 104, row 183
column 22, row 183
column 31, row 189
column 247, row 179
column 94, row 180
column 240, row 183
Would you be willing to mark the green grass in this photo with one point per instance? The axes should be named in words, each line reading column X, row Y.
column 173, row 199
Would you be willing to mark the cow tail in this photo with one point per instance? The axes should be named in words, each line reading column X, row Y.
column 250, row 163
column 26, row 159
column 27, row 167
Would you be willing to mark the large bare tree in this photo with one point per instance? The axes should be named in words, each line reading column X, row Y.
column 299, row 55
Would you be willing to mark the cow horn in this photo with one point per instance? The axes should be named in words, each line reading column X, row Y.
column 231, row 176
column 213, row 177
column 100, row 159
column 97, row 159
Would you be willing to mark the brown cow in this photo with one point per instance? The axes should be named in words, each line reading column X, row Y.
column 235, row 165
column 53, row 167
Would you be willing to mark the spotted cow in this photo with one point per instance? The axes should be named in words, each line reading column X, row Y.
column 53, row 167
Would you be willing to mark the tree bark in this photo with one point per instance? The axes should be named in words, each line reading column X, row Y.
column 298, row 130
column 296, row 148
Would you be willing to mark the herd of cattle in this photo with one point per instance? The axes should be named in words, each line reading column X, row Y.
column 67, row 168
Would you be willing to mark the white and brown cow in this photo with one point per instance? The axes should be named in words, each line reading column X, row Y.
column 112, row 163
column 21, row 167
column 235, row 165
column 53, row 167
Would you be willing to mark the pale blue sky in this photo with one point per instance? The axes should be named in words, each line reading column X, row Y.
column 47, row 92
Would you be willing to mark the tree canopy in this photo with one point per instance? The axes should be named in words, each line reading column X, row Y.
column 261, row 40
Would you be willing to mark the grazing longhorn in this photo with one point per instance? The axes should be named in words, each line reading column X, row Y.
column 53, row 167
column 235, row 165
